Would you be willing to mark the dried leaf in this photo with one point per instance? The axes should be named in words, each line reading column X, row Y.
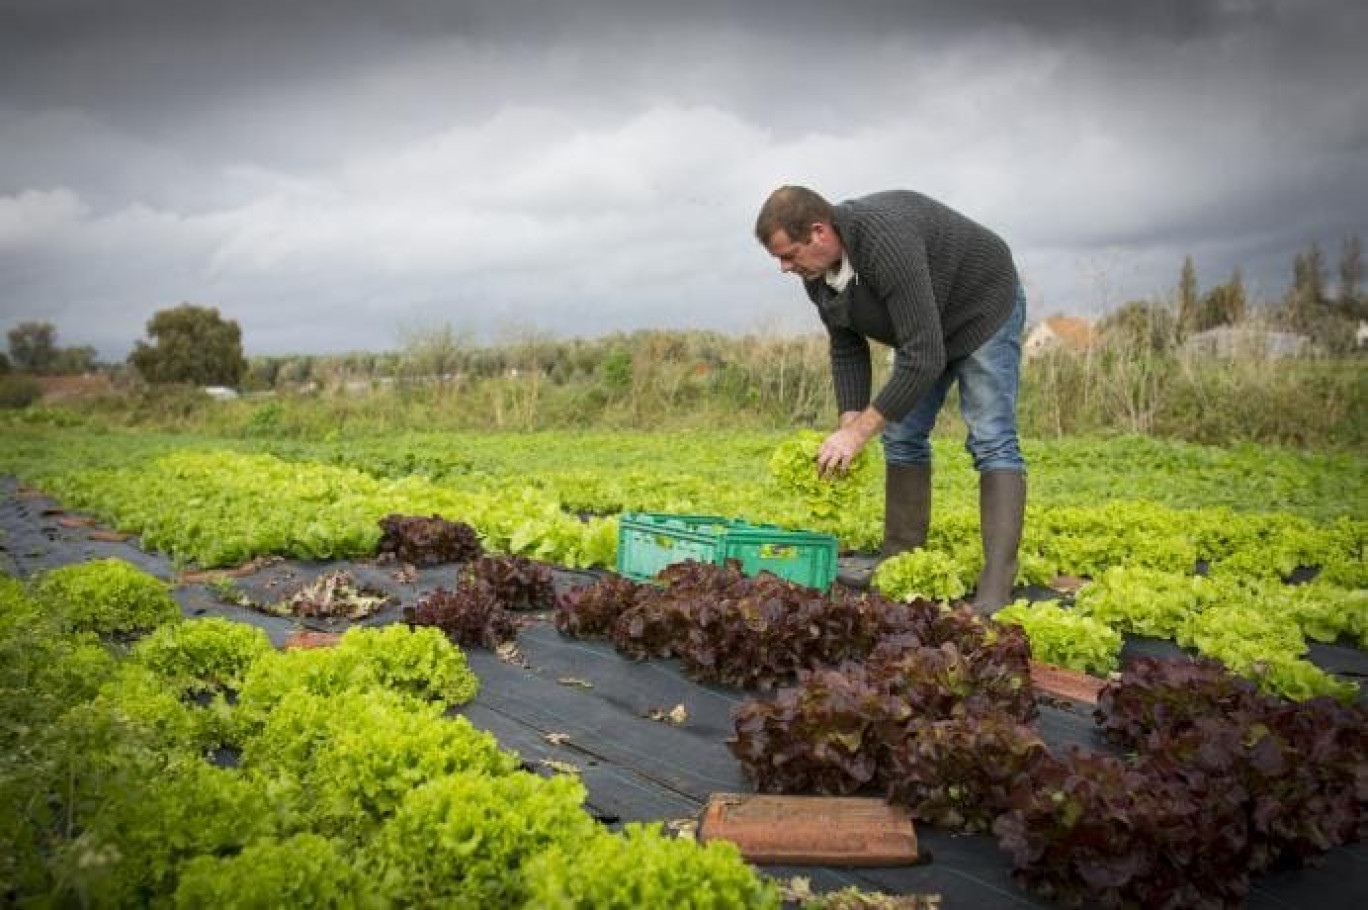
column 557, row 739
column 508, row 653
column 796, row 890
column 683, row 827
column 676, row 715
column 575, row 681
column 560, row 767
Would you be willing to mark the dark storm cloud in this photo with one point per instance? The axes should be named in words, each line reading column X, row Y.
column 327, row 170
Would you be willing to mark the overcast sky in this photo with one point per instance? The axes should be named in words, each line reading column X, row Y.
column 334, row 174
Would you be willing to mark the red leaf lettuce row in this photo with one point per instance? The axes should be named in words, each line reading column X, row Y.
column 427, row 541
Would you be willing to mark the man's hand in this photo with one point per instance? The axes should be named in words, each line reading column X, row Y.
column 839, row 449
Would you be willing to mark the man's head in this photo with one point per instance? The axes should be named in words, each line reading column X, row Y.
column 795, row 226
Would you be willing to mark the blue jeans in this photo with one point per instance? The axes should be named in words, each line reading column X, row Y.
column 988, row 380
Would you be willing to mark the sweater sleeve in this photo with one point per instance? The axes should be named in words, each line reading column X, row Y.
column 851, row 373
column 903, row 279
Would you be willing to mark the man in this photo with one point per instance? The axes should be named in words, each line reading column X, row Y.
column 904, row 270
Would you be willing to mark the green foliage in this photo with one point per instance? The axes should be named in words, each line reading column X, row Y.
column 1263, row 646
column 1255, row 627
column 794, row 466
column 1323, row 611
column 112, row 793
column 107, row 797
column 107, row 596
column 350, row 758
column 44, row 672
column 14, row 599
column 139, row 704
column 74, row 361
column 420, row 665
column 643, row 869
column 1140, row 325
column 136, row 836
column 1144, row 601
column 1222, row 305
column 1087, row 540
column 191, row 344
column 462, row 840
column 248, row 505
column 202, row 655
column 617, row 371
column 1295, row 678
column 18, row 392
column 33, row 346
column 1065, row 637
column 923, row 573
column 1187, row 297
column 305, row 871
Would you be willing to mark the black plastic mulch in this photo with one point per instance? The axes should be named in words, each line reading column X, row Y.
column 562, row 702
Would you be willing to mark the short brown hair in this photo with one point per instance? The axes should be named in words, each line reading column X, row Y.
column 794, row 209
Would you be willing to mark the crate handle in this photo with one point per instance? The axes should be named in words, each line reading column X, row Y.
column 776, row 551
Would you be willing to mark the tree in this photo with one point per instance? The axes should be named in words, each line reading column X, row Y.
column 33, row 346
column 1139, row 324
column 435, row 354
column 1305, row 304
column 1223, row 304
column 74, row 361
column 193, row 344
column 1188, row 299
column 4, row 364
column 1351, row 273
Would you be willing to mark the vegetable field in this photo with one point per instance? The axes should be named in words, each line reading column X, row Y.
column 129, row 732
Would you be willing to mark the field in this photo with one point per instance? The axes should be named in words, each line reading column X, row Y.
column 1253, row 556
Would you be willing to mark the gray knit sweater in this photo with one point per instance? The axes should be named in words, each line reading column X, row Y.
column 929, row 283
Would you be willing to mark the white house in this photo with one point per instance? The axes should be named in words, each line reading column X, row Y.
column 1071, row 332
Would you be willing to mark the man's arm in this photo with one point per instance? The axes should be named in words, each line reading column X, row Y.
column 901, row 273
column 840, row 448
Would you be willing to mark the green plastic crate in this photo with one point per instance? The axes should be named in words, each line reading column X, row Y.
column 648, row 542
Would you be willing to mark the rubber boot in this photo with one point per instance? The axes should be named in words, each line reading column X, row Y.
column 907, row 519
column 1002, row 508
column 907, row 507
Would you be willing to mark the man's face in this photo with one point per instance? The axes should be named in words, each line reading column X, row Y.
column 809, row 259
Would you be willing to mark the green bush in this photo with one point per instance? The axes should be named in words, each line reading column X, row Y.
column 421, row 665
column 923, row 573
column 43, row 674
column 139, row 704
column 202, row 655
column 350, row 758
column 18, row 392
column 107, row 596
column 462, row 840
column 642, row 869
column 305, row 871
column 1064, row 637
column 14, row 599
column 131, row 844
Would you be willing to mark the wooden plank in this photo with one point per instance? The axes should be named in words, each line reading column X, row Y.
column 811, row 830
column 308, row 640
column 1066, row 683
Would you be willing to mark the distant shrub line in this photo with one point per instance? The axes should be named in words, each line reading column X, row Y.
column 683, row 380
